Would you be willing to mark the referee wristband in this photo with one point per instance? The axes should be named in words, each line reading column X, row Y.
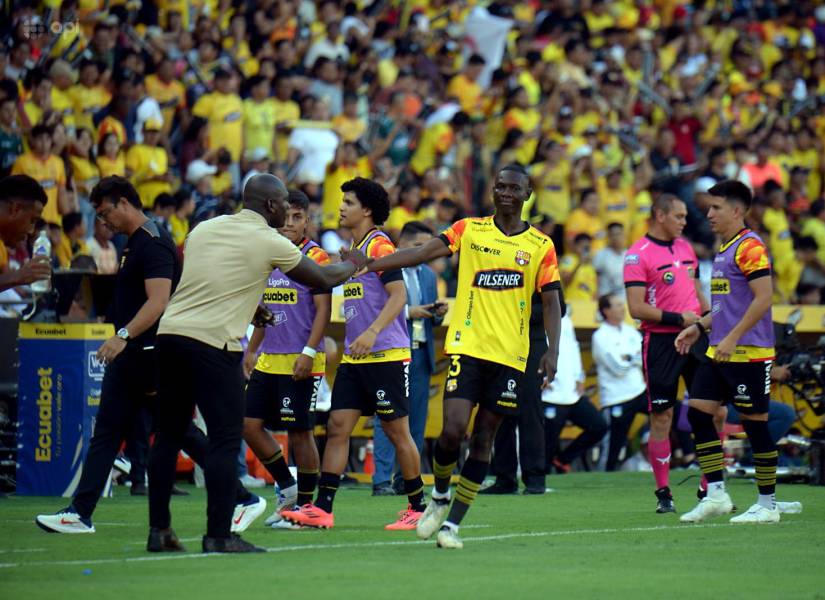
column 671, row 318
column 701, row 327
column 310, row 352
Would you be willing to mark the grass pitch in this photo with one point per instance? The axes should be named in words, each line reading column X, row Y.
column 595, row 536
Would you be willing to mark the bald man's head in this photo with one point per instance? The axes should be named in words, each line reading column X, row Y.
column 267, row 195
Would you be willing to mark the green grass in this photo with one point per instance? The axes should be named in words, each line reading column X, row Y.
column 596, row 536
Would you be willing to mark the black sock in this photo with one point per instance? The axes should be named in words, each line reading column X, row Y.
column 444, row 462
column 307, row 480
column 472, row 476
column 708, row 446
column 241, row 494
column 765, row 455
column 414, row 488
column 327, row 486
column 277, row 467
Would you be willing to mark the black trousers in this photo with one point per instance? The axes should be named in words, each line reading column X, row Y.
column 530, row 424
column 195, row 374
column 582, row 414
column 621, row 418
column 129, row 387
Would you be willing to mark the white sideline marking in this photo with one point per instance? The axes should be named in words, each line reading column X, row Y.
column 22, row 550
column 348, row 545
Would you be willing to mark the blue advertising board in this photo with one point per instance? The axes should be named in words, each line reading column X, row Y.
column 59, row 392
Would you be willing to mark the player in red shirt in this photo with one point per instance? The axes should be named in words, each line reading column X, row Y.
column 661, row 276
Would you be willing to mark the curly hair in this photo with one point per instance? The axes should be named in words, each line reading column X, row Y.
column 371, row 195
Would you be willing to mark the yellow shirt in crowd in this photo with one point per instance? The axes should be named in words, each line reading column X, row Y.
column 50, row 174
column 225, row 115
column 144, row 162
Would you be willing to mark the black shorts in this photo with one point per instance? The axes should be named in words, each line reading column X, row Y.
column 745, row 385
column 663, row 366
column 491, row 385
column 282, row 402
column 381, row 389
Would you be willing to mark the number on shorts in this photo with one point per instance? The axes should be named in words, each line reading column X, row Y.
column 455, row 366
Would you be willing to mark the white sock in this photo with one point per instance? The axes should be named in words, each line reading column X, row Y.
column 436, row 495
column 716, row 489
column 450, row 525
column 290, row 491
column 767, row 500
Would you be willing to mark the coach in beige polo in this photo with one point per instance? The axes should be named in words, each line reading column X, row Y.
column 225, row 269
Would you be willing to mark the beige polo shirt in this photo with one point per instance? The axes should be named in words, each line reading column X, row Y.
column 227, row 262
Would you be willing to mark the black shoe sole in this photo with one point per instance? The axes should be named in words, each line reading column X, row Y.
column 663, row 511
column 44, row 528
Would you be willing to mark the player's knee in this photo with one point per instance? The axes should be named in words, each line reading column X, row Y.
column 481, row 443
column 252, row 427
column 451, row 437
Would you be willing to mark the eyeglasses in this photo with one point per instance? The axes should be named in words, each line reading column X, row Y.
column 102, row 214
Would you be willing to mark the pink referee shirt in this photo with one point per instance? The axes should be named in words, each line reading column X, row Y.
column 668, row 271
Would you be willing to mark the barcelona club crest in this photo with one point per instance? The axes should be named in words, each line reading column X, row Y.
column 522, row 258
column 669, row 277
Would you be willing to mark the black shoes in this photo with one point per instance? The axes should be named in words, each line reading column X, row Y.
column 139, row 489
column 500, row 489
column 534, row 490
column 665, row 501
column 383, row 489
column 232, row 544
column 176, row 491
column 163, row 540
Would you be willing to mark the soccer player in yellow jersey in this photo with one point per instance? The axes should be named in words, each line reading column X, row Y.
column 502, row 261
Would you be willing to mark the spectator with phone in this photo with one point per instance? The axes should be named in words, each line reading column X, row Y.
column 423, row 311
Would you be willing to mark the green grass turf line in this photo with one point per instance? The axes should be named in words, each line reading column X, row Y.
column 596, row 536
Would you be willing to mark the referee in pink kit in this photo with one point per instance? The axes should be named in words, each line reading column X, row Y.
column 661, row 276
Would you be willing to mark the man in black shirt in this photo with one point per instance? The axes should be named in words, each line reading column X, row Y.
column 149, row 272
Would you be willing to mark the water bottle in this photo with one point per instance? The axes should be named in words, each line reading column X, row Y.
column 42, row 247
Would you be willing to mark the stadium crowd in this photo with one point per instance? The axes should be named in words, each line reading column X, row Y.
column 607, row 104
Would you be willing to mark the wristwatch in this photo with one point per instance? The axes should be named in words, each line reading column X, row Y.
column 123, row 334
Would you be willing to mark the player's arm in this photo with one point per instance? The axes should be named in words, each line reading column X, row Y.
column 551, row 312
column 410, row 257
column 704, row 305
column 308, row 272
column 396, row 301
column 639, row 309
column 34, row 270
column 251, row 356
column 158, row 290
column 323, row 310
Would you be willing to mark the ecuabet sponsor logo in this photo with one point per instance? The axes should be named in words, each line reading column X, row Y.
column 280, row 296
column 719, row 286
column 353, row 291
column 45, row 401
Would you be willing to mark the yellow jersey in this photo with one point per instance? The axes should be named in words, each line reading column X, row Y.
column 585, row 282
column 88, row 101
column 497, row 275
column 259, row 125
column 50, row 174
column 221, row 181
column 171, row 97
column 285, row 112
column 225, row 115
column 332, row 196
column 63, row 105
column 85, row 174
column 399, row 216
column 552, row 188
column 144, row 162
column 180, row 229
column 468, row 93
column 527, row 121
column 616, row 204
column 580, row 221
column 108, row 167
column 435, row 141
column 350, row 130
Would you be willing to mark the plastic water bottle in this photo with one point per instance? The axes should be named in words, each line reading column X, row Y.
column 42, row 247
